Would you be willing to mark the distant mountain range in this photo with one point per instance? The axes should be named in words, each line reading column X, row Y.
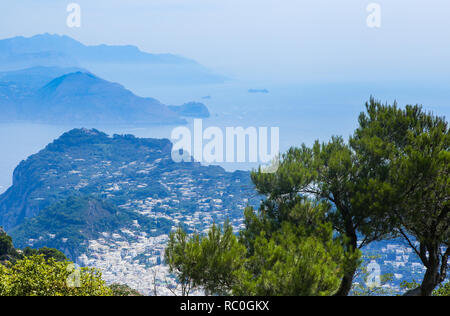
column 74, row 95
column 107, row 61
column 20, row 49
column 50, row 79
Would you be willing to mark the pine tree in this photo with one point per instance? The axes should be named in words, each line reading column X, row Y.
column 406, row 153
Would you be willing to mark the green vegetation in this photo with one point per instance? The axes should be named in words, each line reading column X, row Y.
column 327, row 172
column 10, row 254
column 268, row 259
column 442, row 290
column 44, row 272
column 293, row 261
column 123, row 290
column 48, row 253
column 36, row 276
column 7, row 250
column 326, row 202
column 211, row 262
column 406, row 154
column 47, row 272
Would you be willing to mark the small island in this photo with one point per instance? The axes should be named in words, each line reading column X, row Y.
column 191, row 109
column 258, row 91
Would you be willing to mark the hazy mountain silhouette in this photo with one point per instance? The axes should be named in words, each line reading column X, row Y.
column 35, row 77
column 78, row 97
column 66, row 46
column 106, row 60
column 86, row 98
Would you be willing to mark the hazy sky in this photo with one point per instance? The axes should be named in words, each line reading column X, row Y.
column 304, row 40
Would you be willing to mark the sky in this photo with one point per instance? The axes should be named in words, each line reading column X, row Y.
column 291, row 40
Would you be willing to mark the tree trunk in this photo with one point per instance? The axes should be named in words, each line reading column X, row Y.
column 347, row 279
column 429, row 283
column 434, row 274
column 346, row 283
